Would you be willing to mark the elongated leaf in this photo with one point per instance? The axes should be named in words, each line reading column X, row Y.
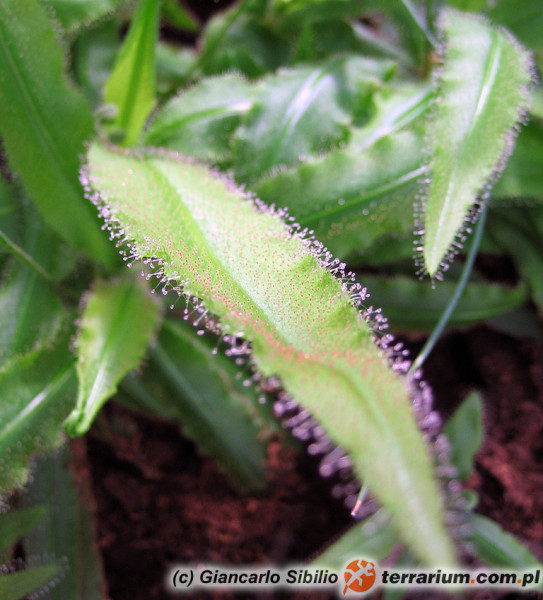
column 179, row 16
column 304, row 111
column 374, row 538
column 18, row 585
column 17, row 523
column 200, row 121
column 117, row 324
column 266, row 284
column 68, row 532
column 10, row 230
column 44, row 122
column 481, row 92
column 131, row 86
column 185, row 381
column 74, row 14
column 412, row 304
column 465, row 432
column 36, row 393
column 497, row 547
column 350, row 198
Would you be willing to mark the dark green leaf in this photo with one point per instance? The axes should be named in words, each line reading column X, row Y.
column 16, row 523
column 498, row 548
column 117, row 324
column 200, row 121
column 68, row 532
column 465, row 432
column 178, row 16
column 412, row 304
column 44, row 122
column 185, row 381
column 131, row 86
column 304, row 111
column 36, row 393
column 374, row 538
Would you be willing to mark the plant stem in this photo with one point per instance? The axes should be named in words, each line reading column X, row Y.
column 25, row 258
column 464, row 276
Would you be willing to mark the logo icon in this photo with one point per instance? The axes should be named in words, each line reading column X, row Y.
column 359, row 576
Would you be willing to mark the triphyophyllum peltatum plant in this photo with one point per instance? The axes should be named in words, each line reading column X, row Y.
column 240, row 177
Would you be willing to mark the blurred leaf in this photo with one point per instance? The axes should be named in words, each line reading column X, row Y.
column 117, row 324
column 481, row 92
column 16, row 523
column 9, row 214
column 44, row 122
column 233, row 40
column 200, row 121
column 178, row 16
column 465, row 432
column 523, row 176
column 374, row 538
column 304, row 111
column 206, row 394
column 18, row 585
column 524, row 20
column 173, row 67
column 94, row 54
column 68, row 532
column 498, row 548
column 349, row 198
column 131, row 86
column 412, row 304
column 36, row 393
column 74, row 14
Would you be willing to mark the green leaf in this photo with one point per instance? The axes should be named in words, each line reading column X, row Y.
column 20, row 584
column 200, row 121
column 68, row 532
column 481, row 93
column 131, row 86
column 301, row 322
column 178, row 16
column 465, row 432
column 184, row 380
column 44, row 122
column 117, row 324
column 412, row 304
column 94, row 52
column 374, row 538
column 523, row 176
column 36, row 393
column 350, row 198
column 173, row 67
column 305, row 110
column 498, row 548
column 16, row 523
column 75, row 14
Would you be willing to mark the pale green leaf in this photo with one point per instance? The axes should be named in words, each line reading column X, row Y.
column 16, row 523
column 306, row 110
column 44, row 122
column 201, row 120
column 18, row 585
column 173, row 67
column 481, row 91
column 68, row 532
column 117, row 324
column 184, row 380
column 465, row 432
column 265, row 283
column 37, row 392
column 131, row 86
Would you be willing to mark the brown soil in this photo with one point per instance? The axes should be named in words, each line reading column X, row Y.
column 159, row 502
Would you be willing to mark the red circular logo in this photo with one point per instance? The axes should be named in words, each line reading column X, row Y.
column 359, row 576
